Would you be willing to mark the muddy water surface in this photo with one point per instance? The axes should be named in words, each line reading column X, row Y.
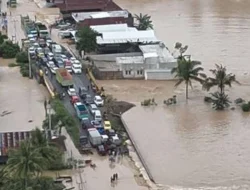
column 198, row 147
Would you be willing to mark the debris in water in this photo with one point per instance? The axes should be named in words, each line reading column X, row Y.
column 4, row 113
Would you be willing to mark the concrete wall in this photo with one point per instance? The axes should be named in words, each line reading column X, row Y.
column 158, row 75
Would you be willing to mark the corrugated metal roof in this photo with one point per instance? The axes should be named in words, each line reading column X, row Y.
column 127, row 36
column 157, row 49
column 110, row 28
column 81, row 16
column 130, row 60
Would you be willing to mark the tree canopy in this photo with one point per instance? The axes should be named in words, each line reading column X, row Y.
column 144, row 21
column 86, row 39
column 9, row 49
column 186, row 71
column 220, row 78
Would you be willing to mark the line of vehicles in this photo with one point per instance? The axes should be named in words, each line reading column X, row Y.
column 96, row 128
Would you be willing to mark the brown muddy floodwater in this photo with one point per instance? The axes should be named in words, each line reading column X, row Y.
column 196, row 146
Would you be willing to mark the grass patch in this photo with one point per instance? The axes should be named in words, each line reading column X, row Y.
column 67, row 120
column 13, row 65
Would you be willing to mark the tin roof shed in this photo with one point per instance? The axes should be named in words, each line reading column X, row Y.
column 126, row 36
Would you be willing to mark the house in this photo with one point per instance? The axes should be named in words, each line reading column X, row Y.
column 153, row 62
column 103, row 18
column 67, row 7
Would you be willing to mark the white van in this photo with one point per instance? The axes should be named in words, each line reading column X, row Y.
column 98, row 116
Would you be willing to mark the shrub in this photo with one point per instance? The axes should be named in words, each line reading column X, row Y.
column 245, row 107
column 9, row 49
column 22, row 57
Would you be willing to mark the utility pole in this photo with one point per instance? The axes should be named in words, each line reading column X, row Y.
column 30, row 74
column 49, row 114
column 14, row 31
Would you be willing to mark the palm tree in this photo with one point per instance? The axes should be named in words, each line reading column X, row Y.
column 186, row 71
column 144, row 21
column 220, row 100
column 46, row 149
column 25, row 162
column 221, row 79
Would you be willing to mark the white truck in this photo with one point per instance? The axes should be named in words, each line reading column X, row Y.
column 94, row 137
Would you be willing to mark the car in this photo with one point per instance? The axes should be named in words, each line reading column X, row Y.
column 96, row 124
column 30, row 36
column 41, row 55
column 86, row 124
column 50, row 64
column 98, row 116
column 32, row 40
column 76, row 69
column 63, row 57
column 53, row 69
column 82, row 92
column 88, row 99
column 39, row 50
column 101, row 150
column 115, row 140
column 72, row 59
column 59, row 63
column 93, row 108
column 98, row 101
column 107, row 125
column 50, row 55
column 36, row 45
column 71, row 92
column 77, row 62
column 74, row 99
column 32, row 50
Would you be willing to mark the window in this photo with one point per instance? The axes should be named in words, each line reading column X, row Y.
column 128, row 72
column 139, row 72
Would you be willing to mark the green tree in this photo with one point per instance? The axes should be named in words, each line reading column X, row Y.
column 25, row 162
column 9, row 49
column 46, row 149
column 144, row 21
column 186, row 71
column 220, row 78
column 220, row 100
column 86, row 39
column 2, row 38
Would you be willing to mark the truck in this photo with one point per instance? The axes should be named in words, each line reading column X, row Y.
column 84, row 144
column 81, row 111
column 42, row 30
column 94, row 137
column 64, row 78
column 28, row 26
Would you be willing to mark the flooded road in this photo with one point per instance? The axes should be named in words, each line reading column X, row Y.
column 194, row 146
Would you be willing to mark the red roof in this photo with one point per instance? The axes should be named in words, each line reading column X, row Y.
column 82, row 5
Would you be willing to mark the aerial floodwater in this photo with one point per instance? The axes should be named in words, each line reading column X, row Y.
column 193, row 146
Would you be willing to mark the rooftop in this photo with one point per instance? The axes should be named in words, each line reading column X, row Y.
column 81, row 16
column 126, row 36
column 129, row 60
column 157, row 50
column 86, row 5
column 112, row 28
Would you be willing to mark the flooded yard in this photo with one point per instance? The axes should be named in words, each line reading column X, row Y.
column 22, row 97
